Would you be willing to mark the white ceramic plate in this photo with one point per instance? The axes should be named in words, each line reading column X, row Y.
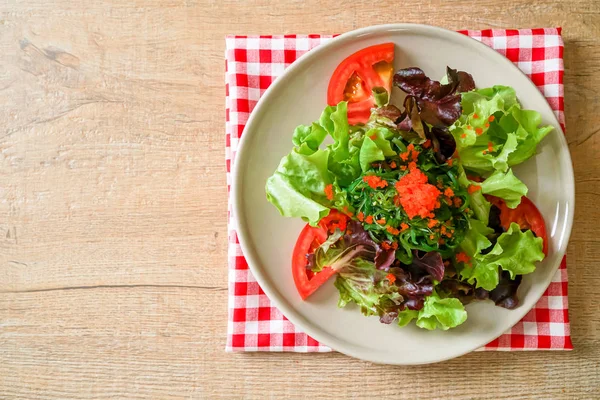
column 267, row 239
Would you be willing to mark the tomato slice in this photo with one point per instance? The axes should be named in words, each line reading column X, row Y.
column 354, row 79
column 526, row 215
column 309, row 240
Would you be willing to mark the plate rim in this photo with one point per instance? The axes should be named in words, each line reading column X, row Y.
column 237, row 201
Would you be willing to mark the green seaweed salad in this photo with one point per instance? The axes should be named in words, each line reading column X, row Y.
column 416, row 211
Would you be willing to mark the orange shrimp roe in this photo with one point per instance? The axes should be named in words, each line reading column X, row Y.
column 463, row 258
column 392, row 230
column 374, row 182
column 473, row 188
column 416, row 195
column 410, row 153
column 329, row 191
column 391, row 277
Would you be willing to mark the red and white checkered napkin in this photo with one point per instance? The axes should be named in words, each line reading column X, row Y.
column 252, row 63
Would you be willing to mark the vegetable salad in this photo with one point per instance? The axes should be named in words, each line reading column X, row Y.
column 415, row 209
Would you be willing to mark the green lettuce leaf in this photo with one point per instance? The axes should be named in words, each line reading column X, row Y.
column 506, row 186
column 481, row 273
column 440, row 313
column 311, row 136
column 500, row 184
column 477, row 158
column 493, row 115
column 527, row 131
column 369, row 153
column 404, row 317
column 343, row 160
column 476, row 238
column 297, row 188
column 515, row 251
column 381, row 96
column 380, row 136
column 479, row 204
column 344, row 157
column 481, row 207
column 375, row 147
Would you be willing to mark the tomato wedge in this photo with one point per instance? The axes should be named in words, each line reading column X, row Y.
column 526, row 215
column 309, row 240
column 354, row 79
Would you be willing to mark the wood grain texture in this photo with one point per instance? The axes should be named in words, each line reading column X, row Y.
column 113, row 205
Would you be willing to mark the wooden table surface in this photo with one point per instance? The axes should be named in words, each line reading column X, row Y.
column 113, row 266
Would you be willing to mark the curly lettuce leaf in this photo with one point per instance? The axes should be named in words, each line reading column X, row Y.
column 494, row 116
column 404, row 317
column 297, row 188
column 369, row 153
column 344, row 156
column 527, row 131
column 309, row 136
column 479, row 204
column 506, row 186
column 381, row 96
column 476, row 238
column 477, row 158
column 375, row 147
column 515, row 252
column 481, row 274
column 437, row 313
